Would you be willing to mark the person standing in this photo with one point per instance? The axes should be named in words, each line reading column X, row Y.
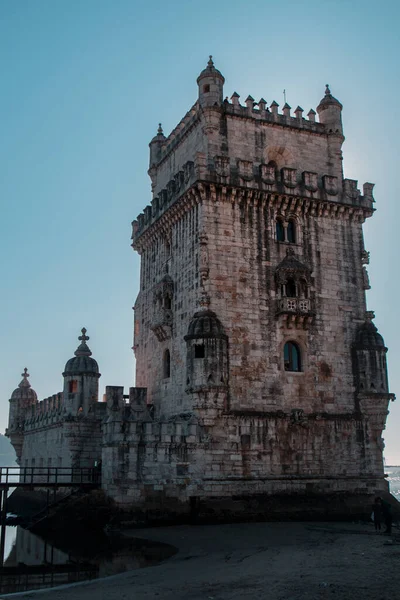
column 377, row 513
column 387, row 516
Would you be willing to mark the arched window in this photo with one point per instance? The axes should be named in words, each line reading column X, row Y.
column 167, row 302
column 166, row 364
column 280, row 231
column 291, row 356
column 291, row 291
column 291, row 231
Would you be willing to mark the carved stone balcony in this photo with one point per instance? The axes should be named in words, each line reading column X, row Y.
column 296, row 312
column 161, row 324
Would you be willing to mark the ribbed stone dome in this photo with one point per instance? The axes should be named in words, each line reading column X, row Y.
column 205, row 324
column 369, row 337
column 24, row 390
column 82, row 363
column 328, row 100
column 210, row 71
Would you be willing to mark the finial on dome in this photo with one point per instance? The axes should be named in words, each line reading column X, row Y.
column 327, row 90
column 83, row 349
column 83, row 337
column 25, row 382
column 160, row 129
column 210, row 62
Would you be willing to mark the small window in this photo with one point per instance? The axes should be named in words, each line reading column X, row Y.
column 167, row 302
column 291, row 291
column 167, row 364
column 280, row 231
column 199, row 351
column 291, row 231
column 291, row 356
column 73, row 386
column 206, row 88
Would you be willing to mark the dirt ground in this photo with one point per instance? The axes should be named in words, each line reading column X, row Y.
column 257, row 561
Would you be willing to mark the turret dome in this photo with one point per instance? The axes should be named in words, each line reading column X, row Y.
column 82, row 363
column 24, row 390
column 210, row 71
column 205, row 324
column 328, row 100
column 368, row 337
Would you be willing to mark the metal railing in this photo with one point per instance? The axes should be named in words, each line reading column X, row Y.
column 49, row 476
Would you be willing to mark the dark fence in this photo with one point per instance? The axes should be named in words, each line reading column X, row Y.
column 49, row 476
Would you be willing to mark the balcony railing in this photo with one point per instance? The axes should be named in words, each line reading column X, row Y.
column 294, row 305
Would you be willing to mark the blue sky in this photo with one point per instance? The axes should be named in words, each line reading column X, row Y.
column 84, row 85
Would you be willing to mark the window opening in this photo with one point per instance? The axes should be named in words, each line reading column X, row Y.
column 280, row 231
column 167, row 364
column 291, row 356
column 291, row 288
column 167, row 302
column 291, row 232
column 206, row 88
column 199, row 351
column 73, row 386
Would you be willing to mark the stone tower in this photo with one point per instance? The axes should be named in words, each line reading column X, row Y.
column 251, row 315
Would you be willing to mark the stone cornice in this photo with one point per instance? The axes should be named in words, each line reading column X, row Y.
column 283, row 204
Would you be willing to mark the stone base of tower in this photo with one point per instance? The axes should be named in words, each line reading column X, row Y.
column 254, row 501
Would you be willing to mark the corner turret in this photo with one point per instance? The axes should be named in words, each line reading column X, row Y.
column 156, row 146
column 22, row 398
column 211, row 86
column 81, row 379
column 330, row 112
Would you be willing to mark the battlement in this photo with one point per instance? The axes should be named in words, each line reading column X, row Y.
column 131, row 417
column 252, row 110
column 45, row 412
column 287, row 182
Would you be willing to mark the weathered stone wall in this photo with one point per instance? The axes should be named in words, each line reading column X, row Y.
column 285, row 453
column 167, row 393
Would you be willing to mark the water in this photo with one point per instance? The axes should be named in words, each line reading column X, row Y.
column 33, row 563
column 394, row 480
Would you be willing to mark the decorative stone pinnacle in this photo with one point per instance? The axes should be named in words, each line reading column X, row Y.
column 83, row 337
column 160, row 129
column 25, row 382
column 210, row 62
column 327, row 90
column 83, row 349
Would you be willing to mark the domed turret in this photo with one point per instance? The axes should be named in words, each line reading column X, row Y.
column 24, row 391
column 211, row 85
column 207, row 353
column 330, row 112
column 370, row 353
column 82, row 363
column 22, row 398
column 81, row 379
column 156, row 145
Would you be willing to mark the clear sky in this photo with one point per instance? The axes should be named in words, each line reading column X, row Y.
column 84, row 84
